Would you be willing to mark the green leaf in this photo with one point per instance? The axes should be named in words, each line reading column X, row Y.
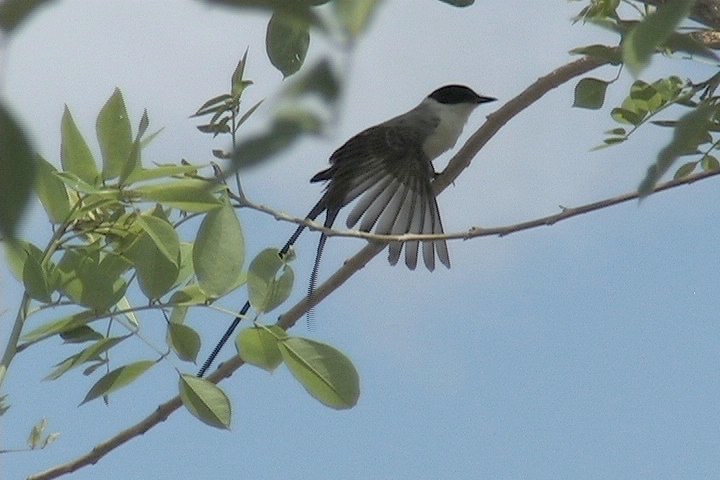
column 648, row 35
column 259, row 346
column 35, row 439
column 287, row 41
column 219, row 251
column 205, row 400
column 254, row 150
column 590, row 93
column 602, row 52
column 85, row 281
column 685, row 170
column 622, row 115
column 355, row 15
column 65, row 324
column 690, row 130
column 188, row 296
column 89, row 354
column 133, row 162
column 162, row 171
column 16, row 254
column 75, row 155
column 184, row 341
column 80, row 334
column 52, row 192
column 79, row 185
column 14, row 12
column 117, row 379
column 114, row 135
column 327, row 374
column 162, row 234
column 35, row 280
column 156, row 272
column 237, row 83
column 709, row 163
column 645, row 97
column 267, row 290
column 320, row 80
column 189, row 195
column 17, row 164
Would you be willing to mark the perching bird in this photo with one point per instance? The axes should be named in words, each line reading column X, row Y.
column 388, row 170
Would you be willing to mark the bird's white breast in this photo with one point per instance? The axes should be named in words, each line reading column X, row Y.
column 451, row 120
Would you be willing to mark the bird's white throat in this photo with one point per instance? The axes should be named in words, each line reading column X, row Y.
column 452, row 119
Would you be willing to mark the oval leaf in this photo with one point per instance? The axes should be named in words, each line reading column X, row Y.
column 184, row 341
column 590, row 93
column 156, row 273
column 117, row 379
column 219, row 251
column 287, row 41
column 258, row 346
column 206, row 401
column 325, row 372
column 266, row 290
column 162, row 234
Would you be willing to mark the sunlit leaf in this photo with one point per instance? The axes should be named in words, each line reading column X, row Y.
column 75, row 154
column 259, row 346
column 270, row 281
column 327, row 374
column 190, row 195
column 205, row 400
column 55, row 327
column 219, row 251
column 89, row 354
column 162, row 234
column 184, row 341
column 16, row 254
column 114, row 135
column 156, row 273
column 117, row 379
column 52, row 192
column 83, row 279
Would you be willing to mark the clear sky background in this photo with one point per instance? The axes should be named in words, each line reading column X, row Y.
column 588, row 349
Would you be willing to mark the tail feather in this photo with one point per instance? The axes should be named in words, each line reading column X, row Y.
column 310, row 316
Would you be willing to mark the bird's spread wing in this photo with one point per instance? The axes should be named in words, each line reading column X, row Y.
column 390, row 176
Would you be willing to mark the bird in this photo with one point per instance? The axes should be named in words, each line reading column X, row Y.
column 387, row 171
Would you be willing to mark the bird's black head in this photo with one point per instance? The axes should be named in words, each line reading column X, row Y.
column 455, row 94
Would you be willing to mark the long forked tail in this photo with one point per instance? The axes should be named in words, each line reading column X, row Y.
column 329, row 220
column 312, row 215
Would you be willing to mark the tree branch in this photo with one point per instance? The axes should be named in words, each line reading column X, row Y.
column 457, row 164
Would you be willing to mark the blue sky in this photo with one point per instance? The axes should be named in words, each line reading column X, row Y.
column 583, row 350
